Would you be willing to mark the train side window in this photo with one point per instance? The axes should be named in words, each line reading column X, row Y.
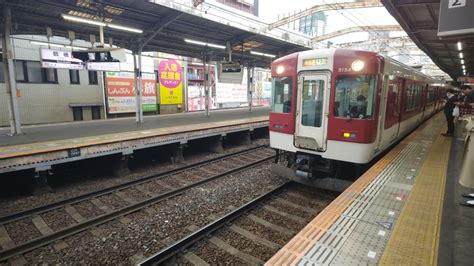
column 410, row 92
column 355, row 96
column 282, row 94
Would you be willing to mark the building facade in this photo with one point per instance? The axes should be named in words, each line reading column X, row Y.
column 50, row 95
column 249, row 6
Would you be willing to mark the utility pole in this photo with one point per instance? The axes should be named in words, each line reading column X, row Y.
column 9, row 70
column 138, row 85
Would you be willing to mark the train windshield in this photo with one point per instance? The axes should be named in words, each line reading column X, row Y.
column 355, row 96
column 282, row 93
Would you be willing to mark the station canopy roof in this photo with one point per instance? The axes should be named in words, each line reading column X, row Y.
column 164, row 29
column 419, row 18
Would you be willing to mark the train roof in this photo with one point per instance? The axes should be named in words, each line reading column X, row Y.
column 391, row 61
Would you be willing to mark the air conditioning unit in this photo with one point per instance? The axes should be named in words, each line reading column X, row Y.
column 197, row 2
column 246, row 2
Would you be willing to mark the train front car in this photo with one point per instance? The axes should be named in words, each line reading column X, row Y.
column 325, row 114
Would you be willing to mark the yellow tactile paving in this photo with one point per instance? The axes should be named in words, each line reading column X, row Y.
column 291, row 253
column 54, row 145
column 415, row 237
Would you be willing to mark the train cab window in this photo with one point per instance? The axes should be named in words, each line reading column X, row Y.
column 313, row 95
column 354, row 96
column 282, row 94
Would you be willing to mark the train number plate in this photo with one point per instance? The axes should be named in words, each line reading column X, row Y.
column 74, row 152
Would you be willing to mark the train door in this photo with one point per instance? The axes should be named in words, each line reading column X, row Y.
column 312, row 111
column 382, row 110
column 401, row 102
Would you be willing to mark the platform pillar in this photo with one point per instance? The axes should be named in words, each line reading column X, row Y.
column 216, row 145
column 138, row 85
column 245, row 138
column 177, row 156
column 40, row 183
column 9, row 71
column 121, row 166
column 250, row 80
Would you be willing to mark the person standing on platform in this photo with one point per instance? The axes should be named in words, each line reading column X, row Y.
column 468, row 95
column 448, row 111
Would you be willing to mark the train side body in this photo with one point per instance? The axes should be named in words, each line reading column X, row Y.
column 345, row 105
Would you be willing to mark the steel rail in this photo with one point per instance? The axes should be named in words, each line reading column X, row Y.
column 77, row 228
column 179, row 246
column 58, row 204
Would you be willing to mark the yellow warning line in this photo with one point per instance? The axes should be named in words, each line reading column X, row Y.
column 299, row 245
column 415, row 237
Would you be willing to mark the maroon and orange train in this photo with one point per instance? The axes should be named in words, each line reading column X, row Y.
column 337, row 106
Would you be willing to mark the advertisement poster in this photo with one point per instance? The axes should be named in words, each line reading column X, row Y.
column 171, row 82
column 231, row 93
column 120, row 87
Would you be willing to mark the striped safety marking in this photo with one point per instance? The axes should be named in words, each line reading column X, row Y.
column 299, row 245
column 415, row 238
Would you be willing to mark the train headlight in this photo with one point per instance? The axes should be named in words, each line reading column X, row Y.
column 357, row 65
column 280, row 69
column 349, row 135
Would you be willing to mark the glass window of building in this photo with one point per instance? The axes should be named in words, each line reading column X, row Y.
column 20, row 73
column 93, row 77
column 35, row 74
column 50, row 75
column 2, row 76
column 74, row 76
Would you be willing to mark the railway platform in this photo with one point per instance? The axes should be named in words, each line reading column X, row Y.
column 42, row 147
column 405, row 210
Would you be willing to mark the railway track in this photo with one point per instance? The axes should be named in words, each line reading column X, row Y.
column 92, row 209
column 231, row 234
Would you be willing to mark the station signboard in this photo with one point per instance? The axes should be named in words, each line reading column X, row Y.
column 231, row 93
column 171, row 82
column 103, row 66
column 456, row 18
column 59, row 59
column 230, row 72
column 120, row 92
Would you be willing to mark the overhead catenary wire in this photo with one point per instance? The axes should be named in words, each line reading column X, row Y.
column 335, row 8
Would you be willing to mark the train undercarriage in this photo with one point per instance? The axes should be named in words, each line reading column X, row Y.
column 315, row 171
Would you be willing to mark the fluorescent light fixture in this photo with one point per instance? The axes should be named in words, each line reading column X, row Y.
column 46, row 44
column 76, row 48
column 83, row 20
column 462, row 61
column 59, row 45
column 216, row 46
column 118, row 27
column 463, row 67
column 459, row 46
column 263, row 54
column 100, row 23
column 461, row 55
column 205, row 44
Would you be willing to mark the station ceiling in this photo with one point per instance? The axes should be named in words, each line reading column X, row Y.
column 419, row 18
column 164, row 28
